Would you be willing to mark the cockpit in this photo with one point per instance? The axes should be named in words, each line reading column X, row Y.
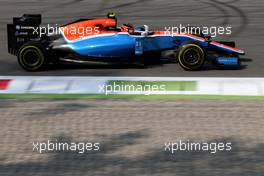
column 89, row 27
column 141, row 30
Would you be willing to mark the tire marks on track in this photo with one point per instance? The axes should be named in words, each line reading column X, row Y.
column 241, row 14
column 103, row 6
column 223, row 11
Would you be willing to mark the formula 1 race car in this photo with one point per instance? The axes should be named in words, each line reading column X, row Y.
column 102, row 40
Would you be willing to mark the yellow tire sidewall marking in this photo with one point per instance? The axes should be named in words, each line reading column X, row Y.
column 39, row 52
column 189, row 45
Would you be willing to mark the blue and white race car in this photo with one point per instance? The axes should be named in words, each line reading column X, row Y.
column 102, row 40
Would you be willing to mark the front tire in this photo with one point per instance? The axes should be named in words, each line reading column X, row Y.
column 191, row 56
column 32, row 56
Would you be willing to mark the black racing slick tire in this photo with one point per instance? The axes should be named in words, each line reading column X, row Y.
column 191, row 56
column 32, row 56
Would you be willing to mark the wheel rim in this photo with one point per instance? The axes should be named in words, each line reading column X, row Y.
column 191, row 56
column 31, row 58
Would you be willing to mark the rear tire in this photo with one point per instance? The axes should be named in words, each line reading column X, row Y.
column 191, row 56
column 32, row 56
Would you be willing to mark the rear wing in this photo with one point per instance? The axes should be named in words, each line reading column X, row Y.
column 21, row 31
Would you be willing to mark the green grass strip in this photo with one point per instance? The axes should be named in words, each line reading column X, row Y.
column 153, row 85
column 127, row 97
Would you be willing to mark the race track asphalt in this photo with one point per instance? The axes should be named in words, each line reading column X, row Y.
column 132, row 136
column 245, row 17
